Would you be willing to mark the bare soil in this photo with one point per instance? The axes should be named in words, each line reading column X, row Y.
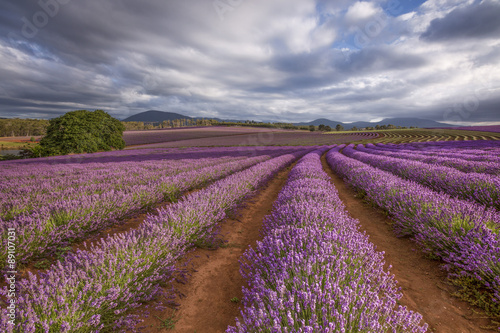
column 209, row 301
column 422, row 281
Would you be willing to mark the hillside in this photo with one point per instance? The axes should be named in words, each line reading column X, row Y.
column 156, row 116
column 407, row 122
column 159, row 116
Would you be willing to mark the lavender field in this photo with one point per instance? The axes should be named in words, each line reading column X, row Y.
column 453, row 215
column 312, row 270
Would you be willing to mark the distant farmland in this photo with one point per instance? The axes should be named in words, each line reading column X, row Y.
column 236, row 136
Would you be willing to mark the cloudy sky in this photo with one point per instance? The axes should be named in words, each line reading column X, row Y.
column 269, row 60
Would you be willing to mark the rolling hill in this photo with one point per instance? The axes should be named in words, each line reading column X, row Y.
column 159, row 116
column 415, row 122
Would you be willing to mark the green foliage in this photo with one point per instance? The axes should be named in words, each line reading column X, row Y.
column 42, row 264
column 81, row 131
column 339, row 128
column 311, row 128
column 23, row 127
column 168, row 323
column 9, row 157
column 474, row 292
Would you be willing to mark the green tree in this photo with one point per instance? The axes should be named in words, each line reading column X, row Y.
column 339, row 128
column 81, row 131
column 311, row 128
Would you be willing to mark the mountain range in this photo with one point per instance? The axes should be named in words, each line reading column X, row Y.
column 159, row 116
column 403, row 122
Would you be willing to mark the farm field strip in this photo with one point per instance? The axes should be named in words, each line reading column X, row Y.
column 458, row 163
column 134, row 138
column 464, row 234
column 55, row 225
column 490, row 128
column 94, row 289
column 430, row 135
column 278, row 138
column 314, row 271
column 483, row 188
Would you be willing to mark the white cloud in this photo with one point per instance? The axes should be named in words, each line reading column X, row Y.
column 361, row 11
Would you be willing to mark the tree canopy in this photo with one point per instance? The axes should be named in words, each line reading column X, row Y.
column 81, row 131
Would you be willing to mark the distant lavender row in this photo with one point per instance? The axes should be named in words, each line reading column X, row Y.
column 314, row 271
column 25, row 187
column 55, row 224
column 280, row 138
column 491, row 128
column 483, row 188
column 462, row 233
column 28, row 189
column 456, row 162
column 485, row 153
column 143, row 154
column 480, row 147
column 94, row 290
column 179, row 134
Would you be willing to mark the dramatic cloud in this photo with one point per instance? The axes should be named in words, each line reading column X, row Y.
column 480, row 20
column 283, row 60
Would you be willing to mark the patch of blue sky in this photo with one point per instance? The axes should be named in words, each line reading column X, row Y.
column 400, row 7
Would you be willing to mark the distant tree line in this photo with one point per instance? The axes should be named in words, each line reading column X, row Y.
column 177, row 123
column 23, row 127
column 38, row 127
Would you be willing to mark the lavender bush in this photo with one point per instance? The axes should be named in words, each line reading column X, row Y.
column 458, row 161
column 314, row 271
column 483, row 188
column 93, row 290
column 52, row 225
column 462, row 233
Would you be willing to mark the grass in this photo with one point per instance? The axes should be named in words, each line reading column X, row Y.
column 473, row 292
column 169, row 322
column 17, row 145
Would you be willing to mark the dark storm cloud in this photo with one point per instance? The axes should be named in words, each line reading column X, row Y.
column 479, row 20
column 381, row 59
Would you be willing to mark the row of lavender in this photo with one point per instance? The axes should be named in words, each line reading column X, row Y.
column 54, row 224
column 464, row 234
column 95, row 289
column 478, row 150
column 457, row 161
column 314, row 271
column 27, row 186
column 482, row 188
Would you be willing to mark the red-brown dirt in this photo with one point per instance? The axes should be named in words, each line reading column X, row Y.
column 205, row 304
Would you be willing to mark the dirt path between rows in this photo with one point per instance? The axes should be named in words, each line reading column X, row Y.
column 422, row 281
column 205, row 302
